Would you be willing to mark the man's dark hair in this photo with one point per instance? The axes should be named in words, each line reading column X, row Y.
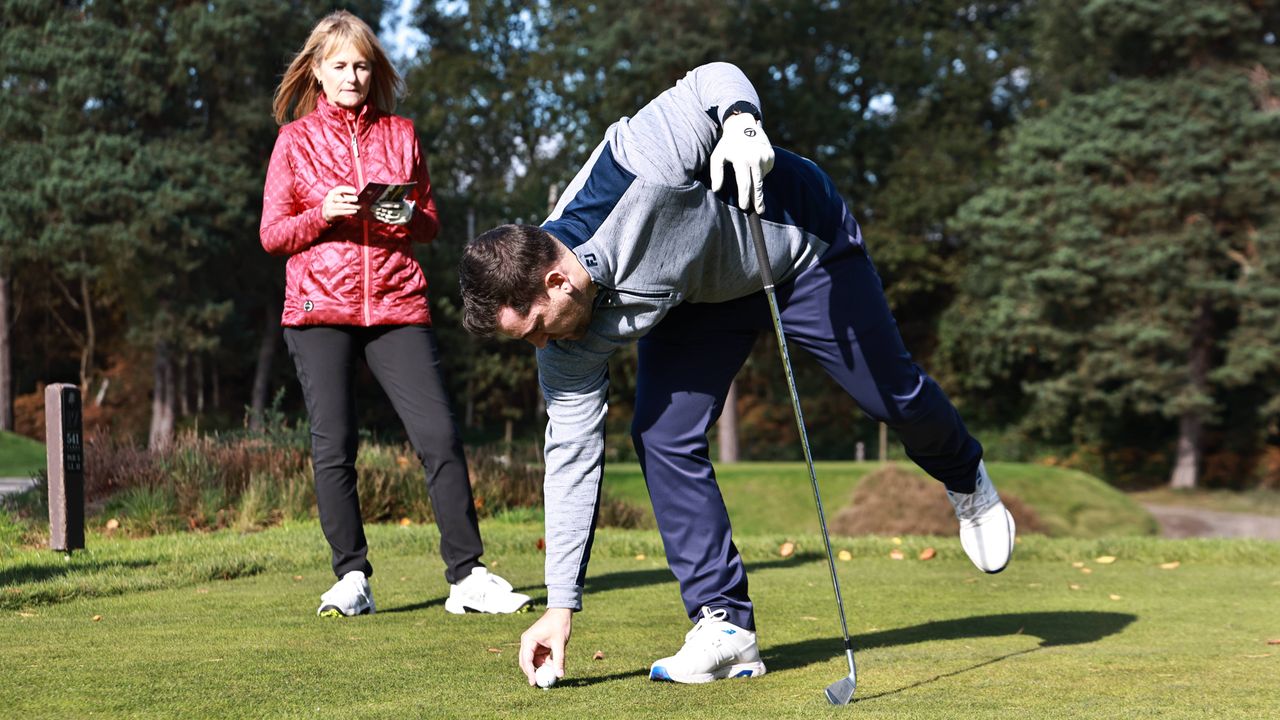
column 503, row 268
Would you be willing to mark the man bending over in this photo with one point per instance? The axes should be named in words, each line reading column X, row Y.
column 650, row 244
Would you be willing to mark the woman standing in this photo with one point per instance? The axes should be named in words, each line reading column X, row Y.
column 353, row 289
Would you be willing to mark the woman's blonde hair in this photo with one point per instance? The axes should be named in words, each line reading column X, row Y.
column 299, row 90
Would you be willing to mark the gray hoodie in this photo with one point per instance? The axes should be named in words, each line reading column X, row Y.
column 642, row 220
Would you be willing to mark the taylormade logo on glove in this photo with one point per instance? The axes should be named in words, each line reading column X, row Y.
column 744, row 145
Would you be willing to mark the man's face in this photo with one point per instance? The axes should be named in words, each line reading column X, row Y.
column 555, row 316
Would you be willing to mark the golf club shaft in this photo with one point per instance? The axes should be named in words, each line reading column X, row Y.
column 766, row 273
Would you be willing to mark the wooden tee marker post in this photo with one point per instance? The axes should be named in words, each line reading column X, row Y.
column 64, row 443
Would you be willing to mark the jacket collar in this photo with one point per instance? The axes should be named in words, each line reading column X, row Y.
column 343, row 119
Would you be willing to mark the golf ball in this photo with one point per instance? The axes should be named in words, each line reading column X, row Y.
column 545, row 675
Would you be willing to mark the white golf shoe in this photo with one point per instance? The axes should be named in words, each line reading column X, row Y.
column 484, row 592
column 713, row 650
column 348, row 597
column 986, row 527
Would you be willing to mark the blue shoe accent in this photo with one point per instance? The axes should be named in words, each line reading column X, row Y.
column 744, row 673
column 729, row 632
column 659, row 673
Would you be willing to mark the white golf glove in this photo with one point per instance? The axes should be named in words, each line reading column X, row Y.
column 393, row 213
column 744, row 145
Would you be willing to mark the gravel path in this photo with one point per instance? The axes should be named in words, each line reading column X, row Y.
column 1183, row 522
column 14, row 484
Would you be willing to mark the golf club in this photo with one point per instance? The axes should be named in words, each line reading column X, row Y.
column 841, row 691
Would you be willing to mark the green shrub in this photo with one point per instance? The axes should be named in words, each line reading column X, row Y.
column 143, row 510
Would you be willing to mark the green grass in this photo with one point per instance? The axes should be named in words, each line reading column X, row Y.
column 1255, row 502
column 20, row 456
column 222, row 625
column 1068, row 502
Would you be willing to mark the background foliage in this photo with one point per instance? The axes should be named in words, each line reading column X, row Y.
column 1071, row 203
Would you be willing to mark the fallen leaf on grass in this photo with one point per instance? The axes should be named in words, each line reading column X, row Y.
column 1114, row 596
column 897, row 541
column 1170, row 565
column 202, row 591
column 845, row 555
column 598, row 656
column 541, row 544
column 788, row 549
column 1034, row 585
column 1074, row 586
column 1274, row 641
column 26, row 614
column 113, row 524
column 896, row 555
column 495, row 651
column 405, row 522
column 928, row 553
column 640, row 556
column 97, row 618
column 1259, row 656
column 808, row 617
column 1086, row 571
column 1077, row 564
column 1105, row 559
column 297, row 578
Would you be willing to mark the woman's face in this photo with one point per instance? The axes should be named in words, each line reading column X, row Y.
column 345, row 76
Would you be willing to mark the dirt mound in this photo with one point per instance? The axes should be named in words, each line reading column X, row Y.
column 893, row 501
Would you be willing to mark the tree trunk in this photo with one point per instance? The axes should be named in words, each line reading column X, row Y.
column 90, row 334
column 6, row 367
column 727, row 426
column 162, row 399
column 199, row 378
column 183, row 370
column 262, row 370
column 1186, row 468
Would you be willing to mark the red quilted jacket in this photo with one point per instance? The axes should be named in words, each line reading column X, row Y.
column 353, row 272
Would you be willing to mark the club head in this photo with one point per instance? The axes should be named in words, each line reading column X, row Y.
column 841, row 691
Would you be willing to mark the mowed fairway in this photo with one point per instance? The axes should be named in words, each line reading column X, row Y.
column 934, row 639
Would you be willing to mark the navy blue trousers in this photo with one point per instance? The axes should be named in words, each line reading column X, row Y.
column 837, row 312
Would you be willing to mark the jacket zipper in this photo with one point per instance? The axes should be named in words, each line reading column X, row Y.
column 641, row 294
column 364, row 249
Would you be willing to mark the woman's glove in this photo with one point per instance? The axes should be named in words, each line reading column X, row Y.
column 393, row 212
column 744, row 145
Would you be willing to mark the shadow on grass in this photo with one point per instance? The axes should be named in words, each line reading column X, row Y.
column 624, row 580
column 1053, row 629
column 538, row 602
column 17, row 576
column 629, row 579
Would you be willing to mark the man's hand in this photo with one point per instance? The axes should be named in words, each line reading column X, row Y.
column 744, row 145
column 393, row 213
column 545, row 641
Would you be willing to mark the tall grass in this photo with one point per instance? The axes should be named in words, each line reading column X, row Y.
column 248, row 482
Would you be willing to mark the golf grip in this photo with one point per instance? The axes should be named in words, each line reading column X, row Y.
column 766, row 275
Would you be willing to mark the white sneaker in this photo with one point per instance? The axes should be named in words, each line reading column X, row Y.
column 986, row 527
column 484, row 592
column 348, row 597
column 713, row 650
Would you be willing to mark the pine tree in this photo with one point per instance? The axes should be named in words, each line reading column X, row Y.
column 1117, row 287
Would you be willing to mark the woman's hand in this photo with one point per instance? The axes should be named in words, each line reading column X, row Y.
column 395, row 212
column 340, row 202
